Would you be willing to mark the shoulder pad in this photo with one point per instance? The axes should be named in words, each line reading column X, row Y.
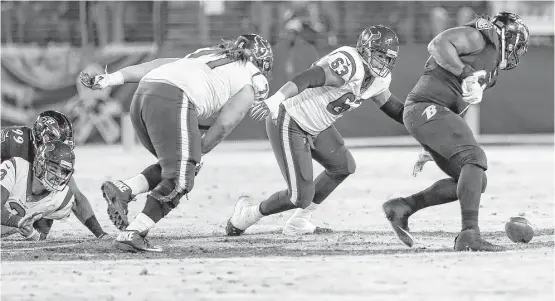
column 486, row 28
column 345, row 62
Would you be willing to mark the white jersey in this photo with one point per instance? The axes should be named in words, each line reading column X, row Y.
column 209, row 80
column 315, row 109
column 17, row 178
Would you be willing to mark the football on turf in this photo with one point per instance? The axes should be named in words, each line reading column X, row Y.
column 518, row 229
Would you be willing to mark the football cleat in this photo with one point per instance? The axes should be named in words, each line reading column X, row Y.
column 133, row 241
column 471, row 240
column 301, row 226
column 117, row 194
column 398, row 212
column 242, row 217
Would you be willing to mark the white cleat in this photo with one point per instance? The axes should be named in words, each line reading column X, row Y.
column 296, row 225
column 246, row 214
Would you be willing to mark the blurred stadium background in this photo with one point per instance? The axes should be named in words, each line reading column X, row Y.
column 45, row 45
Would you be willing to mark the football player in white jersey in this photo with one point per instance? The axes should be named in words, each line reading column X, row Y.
column 39, row 189
column 301, row 128
column 223, row 82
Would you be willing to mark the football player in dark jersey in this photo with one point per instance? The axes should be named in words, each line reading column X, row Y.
column 464, row 62
column 22, row 141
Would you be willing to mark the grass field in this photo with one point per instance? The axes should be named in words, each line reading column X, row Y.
column 361, row 260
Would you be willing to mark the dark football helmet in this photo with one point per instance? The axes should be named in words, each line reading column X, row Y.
column 514, row 37
column 260, row 51
column 54, row 165
column 378, row 44
column 53, row 125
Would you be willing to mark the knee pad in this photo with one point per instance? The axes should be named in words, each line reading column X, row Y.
column 344, row 170
column 166, row 192
column 474, row 155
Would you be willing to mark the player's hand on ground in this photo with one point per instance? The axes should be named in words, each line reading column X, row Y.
column 29, row 233
column 259, row 111
column 423, row 157
column 29, row 219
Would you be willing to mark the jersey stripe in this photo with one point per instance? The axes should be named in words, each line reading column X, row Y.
column 202, row 52
column 14, row 166
column 219, row 62
column 350, row 57
column 69, row 195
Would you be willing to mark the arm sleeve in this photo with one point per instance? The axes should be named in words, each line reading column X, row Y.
column 394, row 108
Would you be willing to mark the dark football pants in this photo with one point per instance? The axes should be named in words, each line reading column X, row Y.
column 166, row 123
column 445, row 135
column 294, row 149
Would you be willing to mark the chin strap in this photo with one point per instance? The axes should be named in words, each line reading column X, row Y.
column 503, row 63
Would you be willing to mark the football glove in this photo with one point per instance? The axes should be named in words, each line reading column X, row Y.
column 472, row 89
column 423, row 157
column 101, row 81
column 29, row 233
column 259, row 111
column 29, row 219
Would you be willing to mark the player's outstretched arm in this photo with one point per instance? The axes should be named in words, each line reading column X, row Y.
column 321, row 74
column 447, row 47
column 84, row 212
column 231, row 114
column 129, row 74
column 390, row 105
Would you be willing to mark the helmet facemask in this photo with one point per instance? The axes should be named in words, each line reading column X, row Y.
column 53, row 174
column 512, row 47
column 514, row 36
column 385, row 61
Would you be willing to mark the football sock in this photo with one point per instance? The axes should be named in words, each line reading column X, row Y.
column 156, row 210
column 305, row 213
column 441, row 192
column 141, row 223
column 469, row 190
column 324, row 185
column 153, row 175
column 138, row 184
column 276, row 203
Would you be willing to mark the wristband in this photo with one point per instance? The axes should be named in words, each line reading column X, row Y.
column 116, row 79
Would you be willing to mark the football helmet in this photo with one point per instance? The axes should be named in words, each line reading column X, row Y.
column 54, row 165
column 260, row 51
column 514, row 37
column 378, row 46
column 53, row 125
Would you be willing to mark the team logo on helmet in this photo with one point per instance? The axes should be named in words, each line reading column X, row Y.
column 260, row 49
column 372, row 37
column 482, row 24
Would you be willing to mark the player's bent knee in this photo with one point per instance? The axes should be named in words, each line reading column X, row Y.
column 484, row 182
column 348, row 168
column 167, row 192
